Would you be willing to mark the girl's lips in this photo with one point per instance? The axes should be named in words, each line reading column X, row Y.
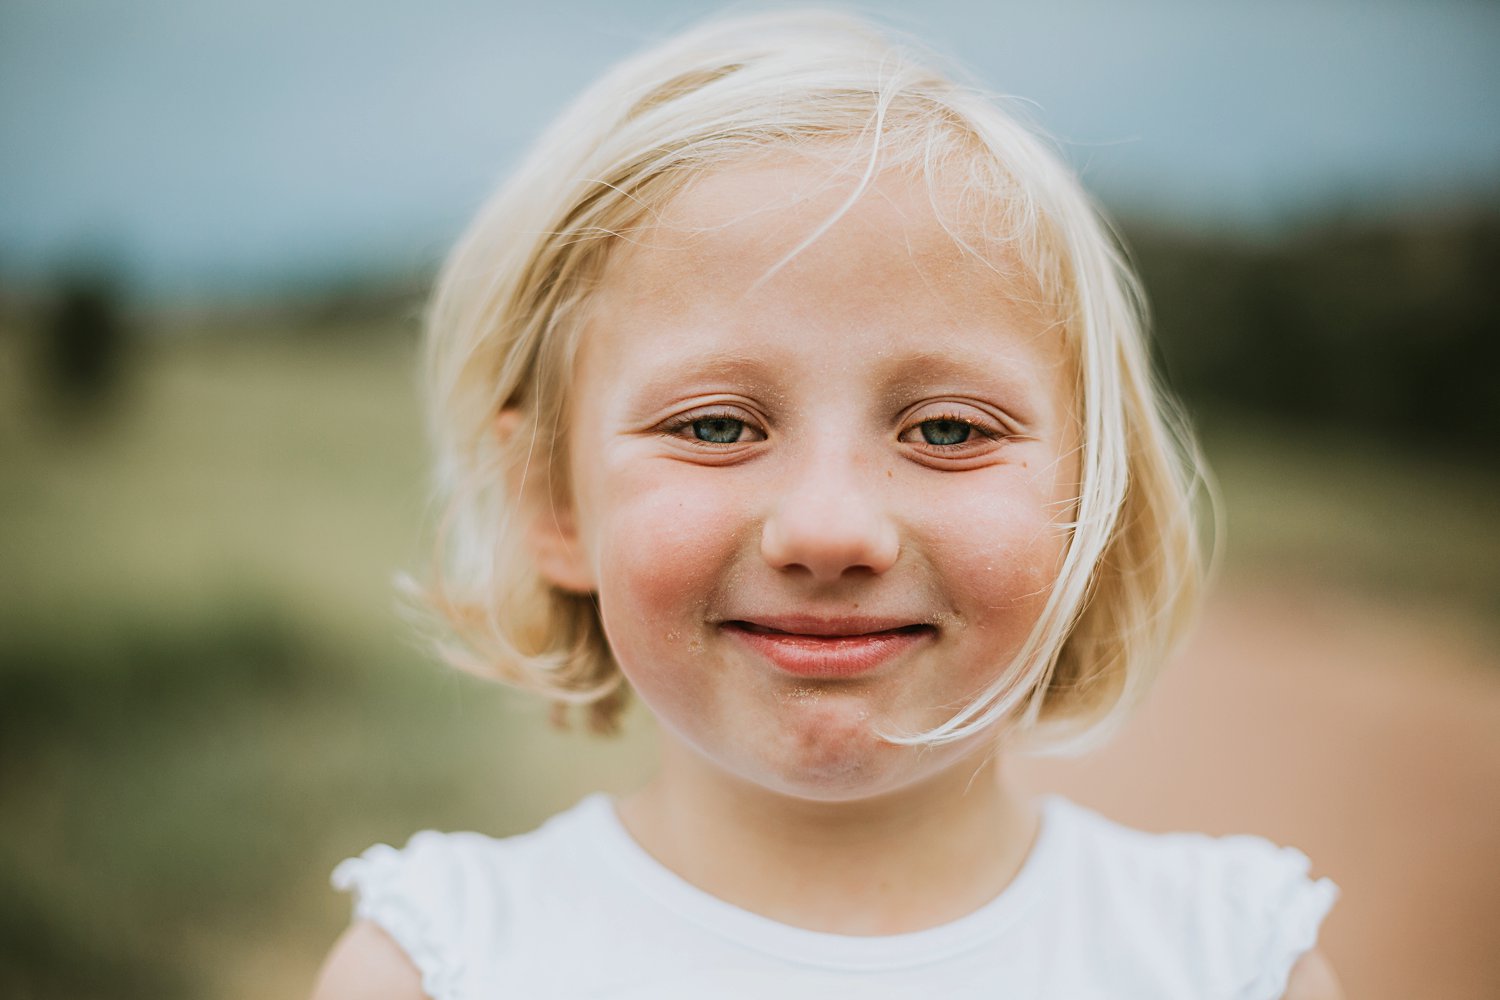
column 828, row 656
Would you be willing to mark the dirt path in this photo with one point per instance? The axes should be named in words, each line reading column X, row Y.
column 1365, row 735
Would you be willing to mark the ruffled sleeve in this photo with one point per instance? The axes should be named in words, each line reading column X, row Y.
column 1279, row 909
column 431, row 897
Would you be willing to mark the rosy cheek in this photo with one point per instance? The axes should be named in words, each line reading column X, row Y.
column 663, row 548
column 1003, row 561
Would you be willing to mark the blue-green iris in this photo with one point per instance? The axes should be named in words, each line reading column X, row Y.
column 945, row 431
column 718, row 430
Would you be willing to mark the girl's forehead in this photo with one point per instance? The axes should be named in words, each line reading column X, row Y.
column 779, row 221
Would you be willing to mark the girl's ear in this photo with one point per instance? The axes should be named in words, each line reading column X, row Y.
column 552, row 541
column 550, row 529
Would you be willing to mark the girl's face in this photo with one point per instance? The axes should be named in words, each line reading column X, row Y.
column 821, row 502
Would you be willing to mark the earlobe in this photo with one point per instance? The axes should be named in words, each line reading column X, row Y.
column 550, row 529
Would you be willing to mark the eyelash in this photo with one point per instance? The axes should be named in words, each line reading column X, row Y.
column 676, row 426
column 980, row 431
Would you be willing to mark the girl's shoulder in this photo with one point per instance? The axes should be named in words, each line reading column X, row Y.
column 1231, row 905
column 1241, row 868
column 446, row 897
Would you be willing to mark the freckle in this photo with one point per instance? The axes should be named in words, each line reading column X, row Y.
column 889, row 473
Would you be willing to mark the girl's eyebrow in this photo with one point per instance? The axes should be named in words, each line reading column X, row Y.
column 744, row 369
column 910, row 372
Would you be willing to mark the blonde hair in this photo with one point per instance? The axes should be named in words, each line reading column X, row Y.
column 504, row 321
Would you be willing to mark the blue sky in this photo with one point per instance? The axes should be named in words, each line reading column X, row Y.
column 225, row 144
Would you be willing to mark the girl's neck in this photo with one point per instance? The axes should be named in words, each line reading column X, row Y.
column 902, row 862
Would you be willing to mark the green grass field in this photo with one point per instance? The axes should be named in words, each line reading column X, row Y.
column 207, row 696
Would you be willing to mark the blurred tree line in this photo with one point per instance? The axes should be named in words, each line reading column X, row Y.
column 1386, row 330
column 1389, row 330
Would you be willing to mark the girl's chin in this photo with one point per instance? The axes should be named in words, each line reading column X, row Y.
column 834, row 757
column 814, row 742
column 828, row 755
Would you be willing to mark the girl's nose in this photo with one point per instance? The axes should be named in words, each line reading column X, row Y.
column 827, row 525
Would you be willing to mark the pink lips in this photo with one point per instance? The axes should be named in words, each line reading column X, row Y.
column 827, row 649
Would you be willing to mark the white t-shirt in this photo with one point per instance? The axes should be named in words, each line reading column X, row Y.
column 577, row 909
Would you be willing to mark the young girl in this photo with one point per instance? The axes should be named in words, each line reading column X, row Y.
column 801, row 390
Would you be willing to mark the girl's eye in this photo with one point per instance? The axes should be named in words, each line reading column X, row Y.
column 953, row 434
column 718, row 430
column 711, row 428
column 945, row 431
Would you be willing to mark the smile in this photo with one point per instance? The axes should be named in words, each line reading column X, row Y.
column 828, row 649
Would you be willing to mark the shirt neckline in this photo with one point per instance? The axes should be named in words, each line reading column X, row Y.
column 622, row 855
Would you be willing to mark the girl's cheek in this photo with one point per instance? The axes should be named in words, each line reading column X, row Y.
column 664, row 548
column 1004, row 566
column 1007, row 529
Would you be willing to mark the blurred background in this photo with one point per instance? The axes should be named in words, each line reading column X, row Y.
column 217, row 220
